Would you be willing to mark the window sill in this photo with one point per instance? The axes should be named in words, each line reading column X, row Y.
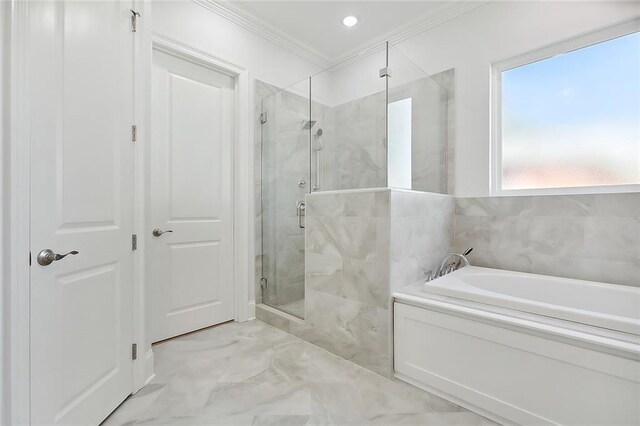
column 578, row 190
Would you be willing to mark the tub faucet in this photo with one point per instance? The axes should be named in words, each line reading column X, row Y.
column 446, row 268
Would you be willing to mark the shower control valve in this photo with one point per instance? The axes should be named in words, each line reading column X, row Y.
column 302, row 183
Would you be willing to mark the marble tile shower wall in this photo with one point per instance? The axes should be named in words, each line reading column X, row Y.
column 421, row 234
column 590, row 237
column 358, row 153
column 429, row 156
column 358, row 244
column 446, row 79
column 347, row 276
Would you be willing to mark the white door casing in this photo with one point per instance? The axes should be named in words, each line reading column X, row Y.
column 80, row 97
column 190, row 270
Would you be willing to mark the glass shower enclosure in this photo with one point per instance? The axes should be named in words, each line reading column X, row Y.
column 376, row 120
column 286, row 176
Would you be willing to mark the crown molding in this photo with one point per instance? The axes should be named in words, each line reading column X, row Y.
column 264, row 30
column 446, row 12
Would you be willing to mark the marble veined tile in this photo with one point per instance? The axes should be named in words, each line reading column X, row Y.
column 367, row 203
column 254, row 374
column 282, row 420
column 592, row 237
column 461, row 419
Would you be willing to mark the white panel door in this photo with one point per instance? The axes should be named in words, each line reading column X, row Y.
column 80, row 86
column 190, row 269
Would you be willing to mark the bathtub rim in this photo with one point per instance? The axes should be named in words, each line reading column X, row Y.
column 458, row 290
column 611, row 341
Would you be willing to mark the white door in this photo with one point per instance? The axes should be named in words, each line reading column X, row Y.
column 190, row 269
column 80, row 86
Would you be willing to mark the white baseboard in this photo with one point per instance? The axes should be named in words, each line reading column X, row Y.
column 245, row 312
column 143, row 371
column 149, row 372
column 251, row 310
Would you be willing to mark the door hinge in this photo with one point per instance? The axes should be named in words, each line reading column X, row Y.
column 263, row 283
column 134, row 133
column 134, row 242
column 263, row 117
column 385, row 72
column 134, row 20
column 134, row 351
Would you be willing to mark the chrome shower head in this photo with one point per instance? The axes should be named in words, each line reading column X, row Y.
column 308, row 124
column 319, row 132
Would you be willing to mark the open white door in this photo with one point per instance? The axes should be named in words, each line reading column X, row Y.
column 190, row 269
column 80, row 97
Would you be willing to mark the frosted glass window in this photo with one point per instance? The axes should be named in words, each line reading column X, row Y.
column 399, row 170
column 573, row 120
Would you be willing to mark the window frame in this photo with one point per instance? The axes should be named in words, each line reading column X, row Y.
column 556, row 49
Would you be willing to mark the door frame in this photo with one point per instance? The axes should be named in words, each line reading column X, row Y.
column 15, row 214
column 242, row 166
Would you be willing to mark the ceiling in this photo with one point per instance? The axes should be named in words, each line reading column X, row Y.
column 315, row 28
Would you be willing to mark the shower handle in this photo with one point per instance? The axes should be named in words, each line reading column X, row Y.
column 300, row 212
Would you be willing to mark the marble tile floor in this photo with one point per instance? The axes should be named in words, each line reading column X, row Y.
column 254, row 374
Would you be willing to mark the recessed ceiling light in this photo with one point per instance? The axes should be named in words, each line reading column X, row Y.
column 350, row 21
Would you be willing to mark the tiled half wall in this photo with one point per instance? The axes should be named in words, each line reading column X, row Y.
column 361, row 245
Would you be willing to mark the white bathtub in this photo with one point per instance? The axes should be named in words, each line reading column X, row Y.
column 523, row 348
column 615, row 307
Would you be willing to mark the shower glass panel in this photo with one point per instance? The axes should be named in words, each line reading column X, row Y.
column 286, row 176
column 348, row 148
column 376, row 120
column 417, row 127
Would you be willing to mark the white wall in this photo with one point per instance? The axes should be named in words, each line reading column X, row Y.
column 200, row 28
column 4, row 330
column 491, row 33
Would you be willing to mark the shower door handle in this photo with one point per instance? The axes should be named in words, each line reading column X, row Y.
column 300, row 212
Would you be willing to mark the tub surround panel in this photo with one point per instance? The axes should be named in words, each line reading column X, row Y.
column 594, row 385
column 590, row 237
column 582, row 337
